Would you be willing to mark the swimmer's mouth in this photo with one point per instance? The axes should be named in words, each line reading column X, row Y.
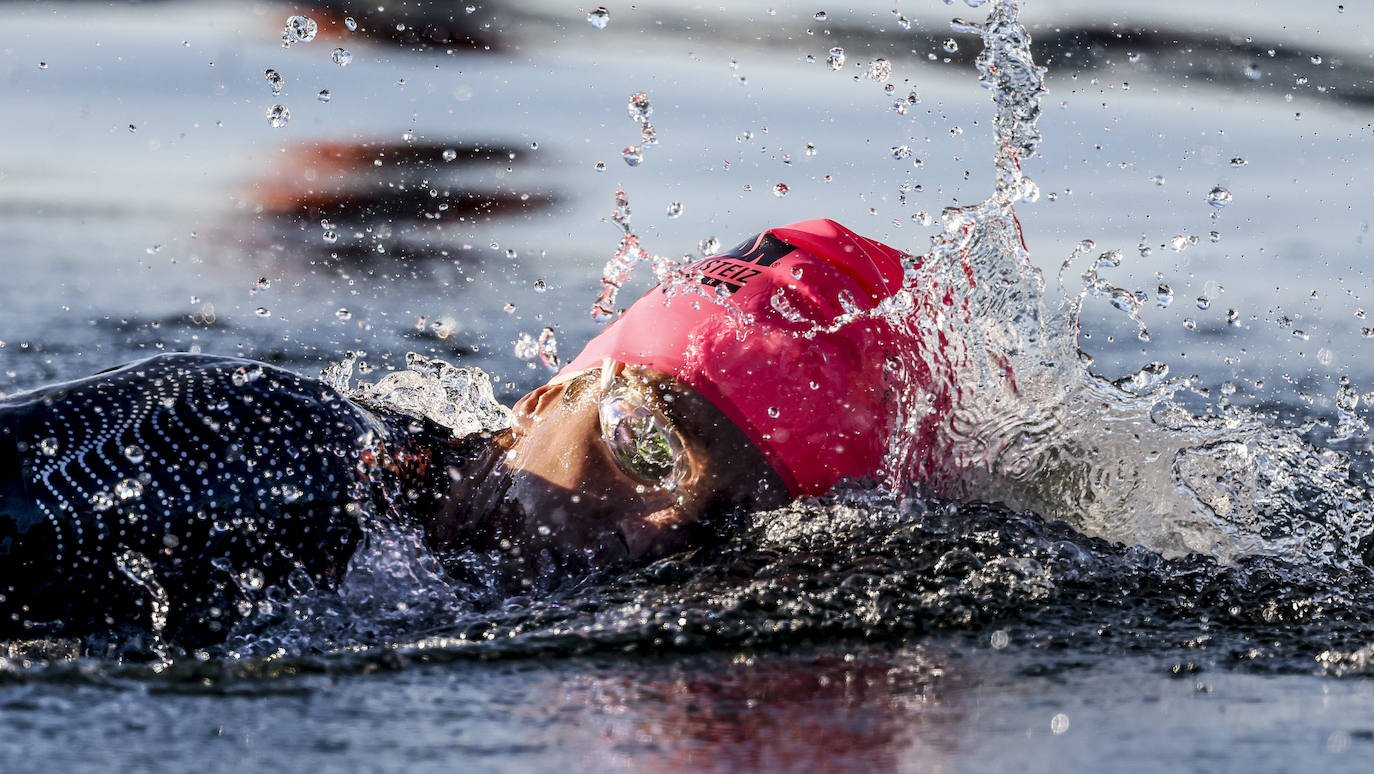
column 624, row 543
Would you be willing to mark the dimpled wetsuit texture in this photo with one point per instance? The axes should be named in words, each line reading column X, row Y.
column 164, row 496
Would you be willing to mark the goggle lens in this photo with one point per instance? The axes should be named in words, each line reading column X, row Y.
column 642, row 442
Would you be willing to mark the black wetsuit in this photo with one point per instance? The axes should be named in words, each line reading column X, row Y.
column 164, row 496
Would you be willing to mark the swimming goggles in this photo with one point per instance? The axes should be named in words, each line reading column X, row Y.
column 644, row 443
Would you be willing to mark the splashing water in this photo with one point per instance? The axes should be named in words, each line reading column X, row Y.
column 459, row 399
column 627, row 255
column 1032, row 426
column 544, row 348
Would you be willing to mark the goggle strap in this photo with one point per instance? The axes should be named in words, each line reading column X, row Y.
column 607, row 374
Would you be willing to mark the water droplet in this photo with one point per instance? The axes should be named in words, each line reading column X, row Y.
column 526, row 348
column 1164, row 295
column 880, row 70
column 639, row 107
column 324, row 95
column 253, row 578
column 1215, row 236
column 922, row 218
column 133, row 454
column 900, row 151
column 299, row 29
column 510, row 253
column 821, row 16
column 1316, row 59
column 1189, row 323
column 1252, row 71
column 330, row 236
column 42, row 65
column 951, row 46
column 132, row 128
column 633, row 155
column 836, row 58
column 1218, row 197
column 599, row 166
column 1157, row 180
column 128, row 489
column 1000, row 639
column 102, row 501
column 1203, row 302
column 1178, row 243
column 674, row 209
column 708, row 246
column 449, row 154
column 263, row 312
column 780, row 189
column 343, row 314
column 810, row 149
column 1233, row 318
column 540, row 286
column 275, row 80
column 341, row 57
column 278, row 116
column 509, row 308
column 774, row 412
column 48, row 446
column 599, row 17
column 351, row 23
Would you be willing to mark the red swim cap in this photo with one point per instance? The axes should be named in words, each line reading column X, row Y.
column 818, row 403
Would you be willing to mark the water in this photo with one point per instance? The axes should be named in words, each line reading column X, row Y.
column 907, row 630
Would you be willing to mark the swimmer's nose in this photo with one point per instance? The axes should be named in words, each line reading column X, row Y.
column 536, row 405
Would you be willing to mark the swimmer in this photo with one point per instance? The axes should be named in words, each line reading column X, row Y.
column 167, row 494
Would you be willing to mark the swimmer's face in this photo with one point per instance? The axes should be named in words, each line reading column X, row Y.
column 625, row 460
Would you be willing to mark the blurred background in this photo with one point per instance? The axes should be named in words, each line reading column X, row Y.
column 438, row 177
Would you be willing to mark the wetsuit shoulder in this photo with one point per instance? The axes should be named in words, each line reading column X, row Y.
column 181, row 482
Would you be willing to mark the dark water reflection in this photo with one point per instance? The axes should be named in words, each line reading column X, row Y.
column 942, row 706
